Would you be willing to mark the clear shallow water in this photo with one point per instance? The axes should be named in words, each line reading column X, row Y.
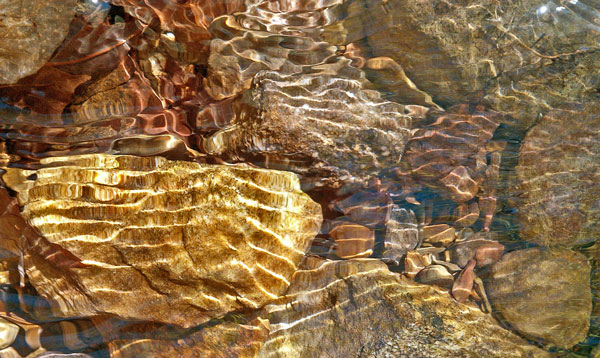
column 424, row 130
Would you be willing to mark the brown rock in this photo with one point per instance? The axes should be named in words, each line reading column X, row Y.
column 30, row 32
column 123, row 92
column 435, row 275
column 544, row 294
column 358, row 307
column 450, row 153
column 466, row 214
column 318, row 125
column 352, row 240
column 180, row 28
column 48, row 91
column 558, row 184
column 488, row 49
column 463, row 286
column 441, row 234
column 489, row 253
column 480, row 246
column 196, row 241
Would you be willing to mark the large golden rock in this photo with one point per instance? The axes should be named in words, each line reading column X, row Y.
column 359, row 308
column 158, row 240
column 544, row 294
column 558, row 180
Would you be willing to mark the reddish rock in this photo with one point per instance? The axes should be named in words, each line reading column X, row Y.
column 463, row 286
column 352, row 240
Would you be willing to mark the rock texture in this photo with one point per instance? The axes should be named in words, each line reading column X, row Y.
column 30, row 31
column 225, row 340
column 179, row 29
column 544, row 294
column 318, row 125
column 523, row 57
column 196, row 241
column 450, row 153
column 558, row 183
column 359, row 308
column 402, row 234
column 280, row 36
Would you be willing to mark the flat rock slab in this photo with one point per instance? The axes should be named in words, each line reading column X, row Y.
column 359, row 308
column 558, row 180
column 544, row 294
column 159, row 240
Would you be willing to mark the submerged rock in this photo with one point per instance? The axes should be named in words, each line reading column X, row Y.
column 523, row 57
column 450, row 154
column 31, row 31
column 558, row 180
column 402, row 234
column 179, row 29
column 280, row 36
column 544, row 294
column 225, row 340
column 322, row 126
column 195, row 241
column 359, row 308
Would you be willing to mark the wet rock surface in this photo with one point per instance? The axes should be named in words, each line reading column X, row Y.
column 30, row 31
column 451, row 152
column 140, row 227
column 557, row 180
column 544, row 294
column 320, row 126
column 224, row 340
column 344, row 308
column 284, row 37
column 431, row 137
column 523, row 57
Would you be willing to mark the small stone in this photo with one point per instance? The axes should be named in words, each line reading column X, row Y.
column 368, row 208
column 435, row 275
column 401, row 235
column 441, row 234
column 463, row 286
column 488, row 253
column 415, row 261
column 459, row 184
column 461, row 252
column 9, row 352
column 466, row 213
column 353, row 240
column 544, row 294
